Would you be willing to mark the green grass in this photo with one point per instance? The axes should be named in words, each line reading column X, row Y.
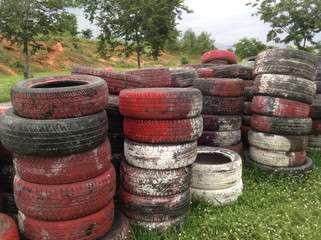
column 271, row 207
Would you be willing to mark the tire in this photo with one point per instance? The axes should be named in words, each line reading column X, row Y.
column 5, row 153
column 116, row 81
column 275, row 142
column 151, row 182
column 222, row 165
column 247, row 107
column 314, row 140
column 244, row 133
column 279, row 107
column 65, row 201
column 112, row 108
column 116, row 142
column 248, row 94
column 160, row 156
column 248, row 83
column 120, row 228
column 116, row 159
column 318, row 85
column 217, row 105
column 315, row 110
column 163, row 131
column 91, row 227
column 304, row 169
column 108, row 69
column 52, row 137
column 221, row 55
column 316, row 126
column 153, row 77
column 205, row 73
column 8, row 230
column 182, row 77
column 286, row 61
column 219, row 197
column 153, row 209
column 7, row 173
column 246, row 73
column 207, row 65
column 248, row 62
column 285, row 86
column 160, row 103
column 227, row 71
column 4, row 106
column 277, row 158
column 246, row 120
column 220, row 87
column 62, row 170
column 280, row 125
column 59, row 97
column 220, row 139
column 221, row 123
column 238, row 148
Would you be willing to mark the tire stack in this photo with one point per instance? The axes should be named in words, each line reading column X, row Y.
column 161, row 126
column 314, row 142
column 65, row 184
column 222, row 112
column 217, row 175
column 283, row 90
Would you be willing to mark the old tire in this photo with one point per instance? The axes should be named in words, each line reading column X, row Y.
column 227, row 71
column 238, row 148
column 205, row 73
column 315, row 110
column 120, row 228
column 314, row 140
column 222, row 55
column 182, row 77
column 112, row 107
column 220, row 87
column 8, row 230
column 217, row 105
column 246, row 73
column 248, row 62
column 220, row 139
column 221, row 122
column 316, row 126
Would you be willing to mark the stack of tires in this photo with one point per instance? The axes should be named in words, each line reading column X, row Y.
column 221, row 112
column 315, row 113
column 217, row 175
column 161, row 126
column 283, row 90
column 65, row 184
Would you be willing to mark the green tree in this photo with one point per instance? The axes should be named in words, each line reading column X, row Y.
column 21, row 21
column 136, row 25
column 87, row 33
column 67, row 22
column 248, row 47
column 294, row 21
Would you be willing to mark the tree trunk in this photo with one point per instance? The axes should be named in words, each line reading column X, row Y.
column 26, row 55
column 138, row 60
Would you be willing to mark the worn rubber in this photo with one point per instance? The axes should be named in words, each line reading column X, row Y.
column 163, row 131
column 316, row 126
column 160, row 103
column 246, row 73
column 8, row 229
column 314, row 140
column 183, row 77
column 315, row 110
column 58, row 97
column 226, row 71
column 248, row 62
column 52, row 137
column 248, row 93
column 222, row 55
column 205, row 73
column 160, row 156
column 217, row 105
column 220, row 139
column 220, row 86
column 112, row 108
column 238, row 148
column 65, row 201
column 221, row 122
column 246, row 120
column 247, row 107
column 248, row 83
column 120, row 228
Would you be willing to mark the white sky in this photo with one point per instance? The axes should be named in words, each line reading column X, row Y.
column 227, row 20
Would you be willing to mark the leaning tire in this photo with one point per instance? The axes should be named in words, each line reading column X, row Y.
column 8, row 230
column 59, row 96
column 52, row 137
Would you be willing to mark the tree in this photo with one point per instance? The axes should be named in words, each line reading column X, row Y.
column 294, row 21
column 248, row 47
column 136, row 25
column 22, row 20
column 88, row 33
column 67, row 22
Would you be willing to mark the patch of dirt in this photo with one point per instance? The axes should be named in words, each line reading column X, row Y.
column 8, row 69
column 52, row 56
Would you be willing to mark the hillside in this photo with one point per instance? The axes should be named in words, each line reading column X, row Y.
column 62, row 54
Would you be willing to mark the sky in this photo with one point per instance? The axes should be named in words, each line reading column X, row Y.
column 228, row 21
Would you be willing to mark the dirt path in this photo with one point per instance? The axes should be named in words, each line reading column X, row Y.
column 8, row 69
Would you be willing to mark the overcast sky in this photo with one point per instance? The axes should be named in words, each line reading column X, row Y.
column 227, row 20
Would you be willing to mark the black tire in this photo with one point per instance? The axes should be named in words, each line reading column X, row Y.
column 52, row 137
column 221, row 122
column 183, row 77
column 248, row 94
column 314, row 140
column 226, row 71
column 301, row 170
column 217, row 105
column 315, row 110
column 220, row 139
column 285, row 86
column 318, row 83
column 7, row 174
column 246, row 73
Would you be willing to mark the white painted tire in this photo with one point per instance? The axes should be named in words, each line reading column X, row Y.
column 275, row 142
column 219, row 197
column 216, row 168
column 160, row 156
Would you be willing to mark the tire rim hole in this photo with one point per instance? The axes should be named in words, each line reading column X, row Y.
column 212, row 158
column 59, row 84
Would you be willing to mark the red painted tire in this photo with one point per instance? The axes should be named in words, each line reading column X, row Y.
column 222, row 55
column 316, row 126
column 280, row 125
column 154, row 182
column 65, row 201
column 277, row 158
column 238, row 148
column 112, row 107
column 62, row 170
column 91, row 227
column 227, row 71
column 160, row 103
column 217, row 105
column 205, row 73
column 116, row 81
column 59, row 96
column 153, row 77
column 248, row 83
column 8, row 229
column 120, row 228
column 4, row 106
column 182, row 77
column 153, row 209
column 220, row 86
column 221, row 122
column 163, row 131
column 280, row 107
column 108, row 69
column 315, row 110
column 220, row 139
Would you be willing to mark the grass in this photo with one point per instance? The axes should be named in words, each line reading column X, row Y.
column 271, row 207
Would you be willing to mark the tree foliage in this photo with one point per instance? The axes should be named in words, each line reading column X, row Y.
column 22, row 20
column 135, row 25
column 87, row 33
column 67, row 23
column 293, row 21
column 248, row 47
